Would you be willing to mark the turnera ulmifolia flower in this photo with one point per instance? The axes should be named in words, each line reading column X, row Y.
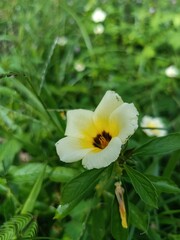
column 153, row 126
column 97, row 136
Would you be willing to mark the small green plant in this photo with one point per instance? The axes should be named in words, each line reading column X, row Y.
column 19, row 227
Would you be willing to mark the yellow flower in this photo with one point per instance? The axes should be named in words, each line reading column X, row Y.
column 153, row 126
column 97, row 137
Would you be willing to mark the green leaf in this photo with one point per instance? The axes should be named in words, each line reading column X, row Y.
column 117, row 231
column 79, row 186
column 143, row 186
column 164, row 184
column 98, row 219
column 80, row 25
column 30, row 202
column 8, row 150
column 152, row 234
column 76, row 190
column 137, row 218
column 63, row 174
column 26, row 172
column 8, row 92
column 174, row 237
column 64, row 209
column 23, row 225
column 159, row 146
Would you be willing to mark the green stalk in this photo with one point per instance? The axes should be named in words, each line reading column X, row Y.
column 30, row 202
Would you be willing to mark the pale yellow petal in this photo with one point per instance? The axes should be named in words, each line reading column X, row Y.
column 70, row 149
column 99, row 158
column 124, row 121
column 107, row 105
column 80, row 124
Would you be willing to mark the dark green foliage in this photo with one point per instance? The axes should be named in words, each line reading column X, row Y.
column 19, row 227
column 39, row 82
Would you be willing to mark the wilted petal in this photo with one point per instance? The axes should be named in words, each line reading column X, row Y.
column 119, row 191
column 70, row 149
column 102, row 158
column 80, row 123
column 125, row 121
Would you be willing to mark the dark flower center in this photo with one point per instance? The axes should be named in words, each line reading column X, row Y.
column 102, row 140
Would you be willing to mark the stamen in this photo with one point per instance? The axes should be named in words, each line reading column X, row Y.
column 102, row 140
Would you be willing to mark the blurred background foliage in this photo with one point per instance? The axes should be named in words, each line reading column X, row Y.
column 52, row 60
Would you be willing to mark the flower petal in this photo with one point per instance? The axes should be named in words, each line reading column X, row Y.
column 70, row 149
column 125, row 121
column 103, row 158
column 145, row 121
column 80, row 124
column 108, row 104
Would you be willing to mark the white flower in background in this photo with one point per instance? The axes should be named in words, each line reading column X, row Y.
column 154, row 125
column 97, row 137
column 172, row 71
column 79, row 67
column 62, row 41
column 99, row 29
column 152, row 10
column 173, row 1
column 98, row 15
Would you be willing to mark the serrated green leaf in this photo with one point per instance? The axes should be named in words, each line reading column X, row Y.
column 159, row 146
column 143, row 186
column 78, row 188
column 164, row 184
column 80, row 185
